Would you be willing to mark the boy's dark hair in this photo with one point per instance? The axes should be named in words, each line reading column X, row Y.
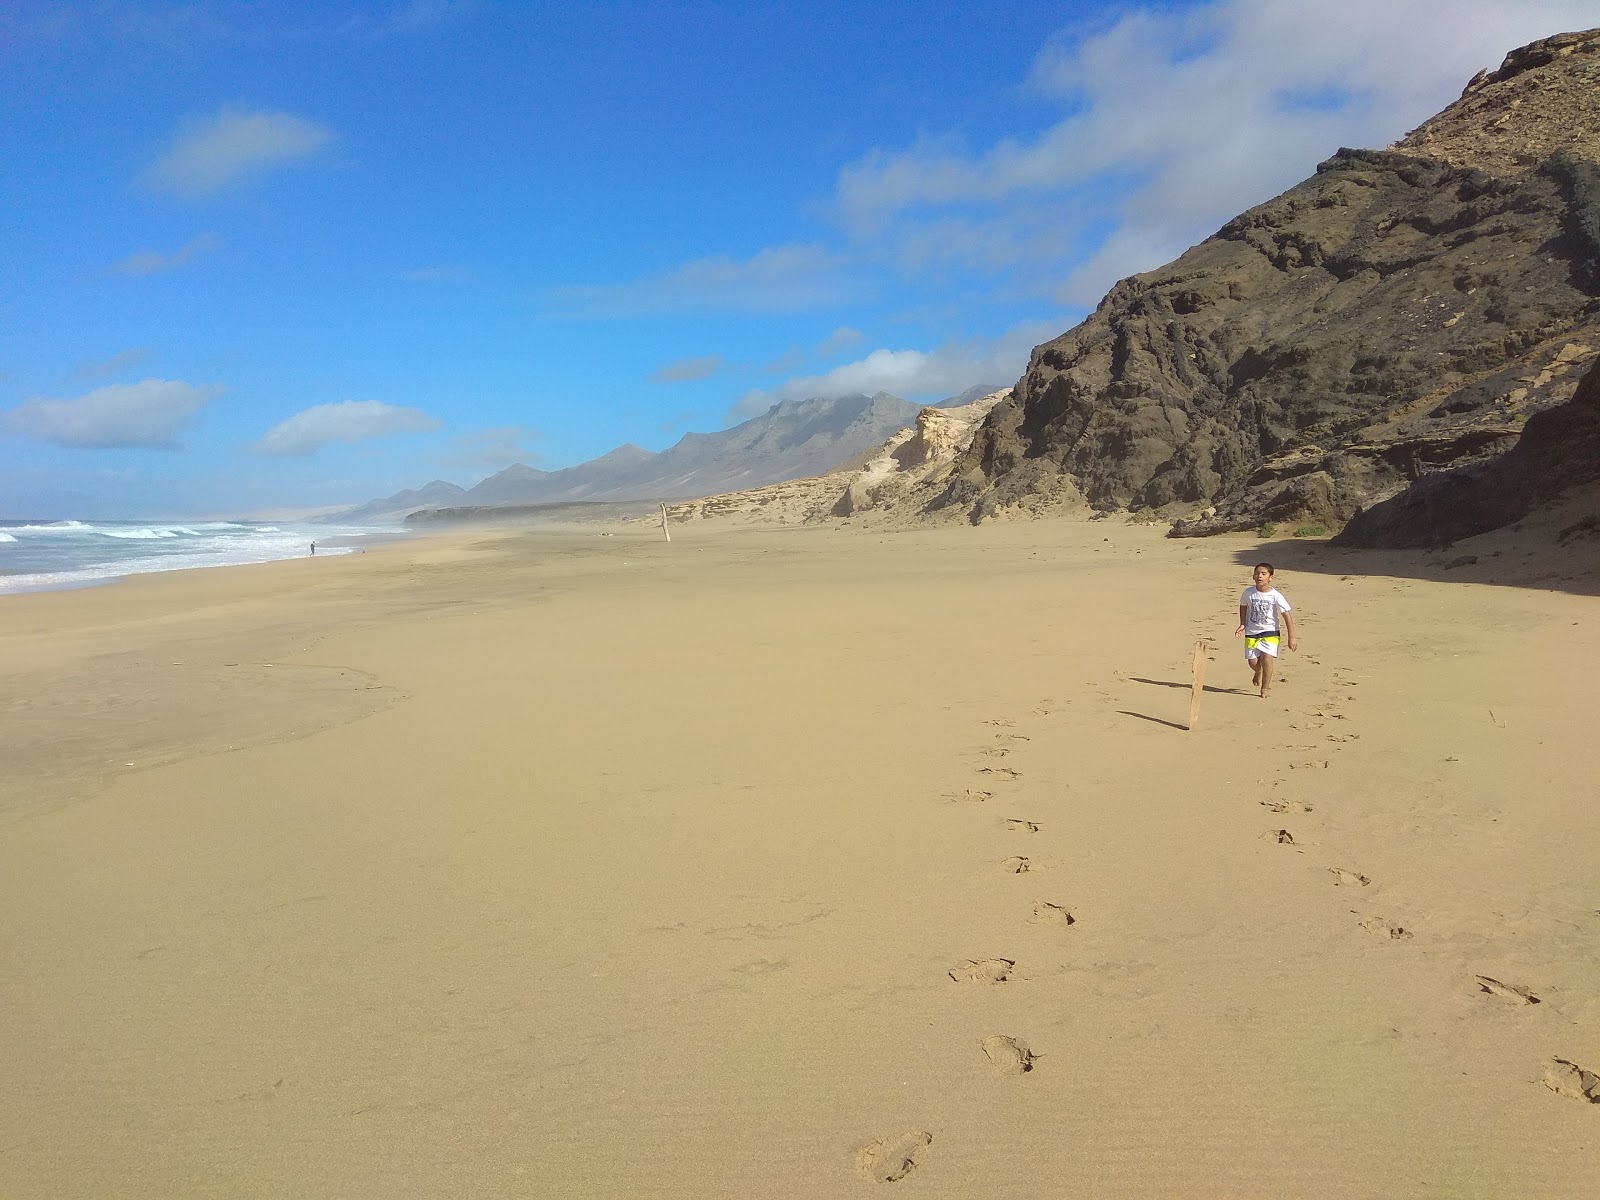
column 1270, row 569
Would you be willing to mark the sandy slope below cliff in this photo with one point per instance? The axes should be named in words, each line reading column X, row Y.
column 679, row 871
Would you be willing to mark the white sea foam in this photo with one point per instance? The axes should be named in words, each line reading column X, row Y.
column 63, row 554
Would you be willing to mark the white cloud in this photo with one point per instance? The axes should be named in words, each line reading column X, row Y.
column 145, row 414
column 231, row 147
column 688, row 369
column 350, row 421
column 1176, row 122
column 945, row 370
column 149, row 262
column 493, row 449
column 777, row 279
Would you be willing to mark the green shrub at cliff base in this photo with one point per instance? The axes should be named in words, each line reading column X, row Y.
column 1268, row 529
column 1311, row 531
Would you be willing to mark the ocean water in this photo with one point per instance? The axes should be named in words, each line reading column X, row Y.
column 44, row 555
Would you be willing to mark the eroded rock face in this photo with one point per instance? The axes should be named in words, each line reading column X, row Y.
column 1402, row 312
column 1559, row 449
column 915, row 461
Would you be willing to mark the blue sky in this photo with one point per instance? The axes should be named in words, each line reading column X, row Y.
column 268, row 257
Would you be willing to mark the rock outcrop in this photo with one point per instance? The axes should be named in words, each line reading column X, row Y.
column 915, row 458
column 894, row 480
column 1404, row 311
column 1559, row 450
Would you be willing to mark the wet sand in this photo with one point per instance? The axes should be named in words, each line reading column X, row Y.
column 784, row 862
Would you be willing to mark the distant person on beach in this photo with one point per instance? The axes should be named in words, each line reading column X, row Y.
column 1260, row 610
column 313, row 549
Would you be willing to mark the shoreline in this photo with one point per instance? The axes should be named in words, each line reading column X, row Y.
column 548, row 862
column 75, row 579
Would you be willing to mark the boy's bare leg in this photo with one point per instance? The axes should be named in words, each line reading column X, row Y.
column 1255, row 670
column 1266, row 674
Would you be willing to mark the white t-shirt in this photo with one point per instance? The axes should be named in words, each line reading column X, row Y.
column 1261, row 610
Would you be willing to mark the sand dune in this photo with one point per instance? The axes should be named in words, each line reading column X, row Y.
column 801, row 862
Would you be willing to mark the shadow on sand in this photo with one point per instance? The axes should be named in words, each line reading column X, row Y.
column 1221, row 691
column 1147, row 717
column 1489, row 559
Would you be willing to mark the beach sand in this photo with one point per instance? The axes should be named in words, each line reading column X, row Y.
column 800, row 863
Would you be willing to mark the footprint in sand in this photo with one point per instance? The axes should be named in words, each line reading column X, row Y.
column 1514, row 993
column 995, row 751
column 1306, row 766
column 1012, row 737
column 1021, row 826
column 1287, row 806
column 1569, row 1079
column 1018, row 864
column 983, row 970
column 1000, row 772
column 976, row 795
column 1002, row 722
column 1046, row 913
column 1282, row 836
column 1007, row 1055
column 1343, row 878
column 890, row 1159
column 1384, row 929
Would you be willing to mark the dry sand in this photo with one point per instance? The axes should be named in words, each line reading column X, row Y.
column 559, row 864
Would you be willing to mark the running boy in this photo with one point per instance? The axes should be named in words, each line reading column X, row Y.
column 1259, row 611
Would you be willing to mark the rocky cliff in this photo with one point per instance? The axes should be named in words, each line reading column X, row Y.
column 1559, row 450
column 1404, row 311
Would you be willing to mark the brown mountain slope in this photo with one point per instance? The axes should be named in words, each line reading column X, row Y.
column 1403, row 311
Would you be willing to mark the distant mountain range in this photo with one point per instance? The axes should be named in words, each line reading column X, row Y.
column 791, row 440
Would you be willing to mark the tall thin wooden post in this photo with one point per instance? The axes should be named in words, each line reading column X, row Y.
column 665, row 531
column 1199, row 682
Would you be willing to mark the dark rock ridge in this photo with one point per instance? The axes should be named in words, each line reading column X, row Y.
column 1402, row 312
column 1559, row 449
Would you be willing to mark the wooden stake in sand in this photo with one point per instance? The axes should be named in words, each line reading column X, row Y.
column 1199, row 682
column 667, row 533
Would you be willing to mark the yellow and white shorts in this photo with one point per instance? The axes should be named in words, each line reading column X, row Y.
column 1257, row 644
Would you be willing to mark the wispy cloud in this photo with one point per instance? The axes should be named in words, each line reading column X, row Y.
column 147, row 414
column 150, row 262
column 350, row 421
column 493, row 449
column 841, row 339
column 423, row 16
column 779, row 279
column 1173, row 122
column 943, row 371
column 231, row 147
column 110, row 368
column 194, row 29
column 688, row 369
